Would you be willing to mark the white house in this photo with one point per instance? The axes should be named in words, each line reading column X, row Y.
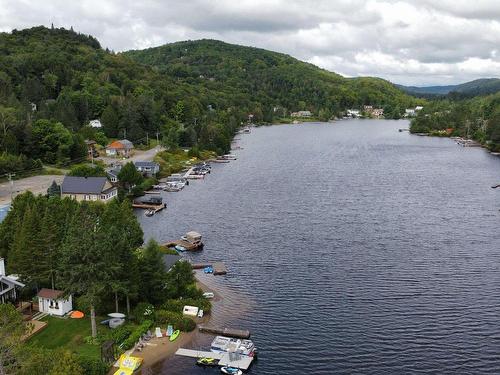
column 409, row 112
column 301, row 114
column 95, row 124
column 9, row 285
column 53, row 302
column 353, row 113
column 148, row 168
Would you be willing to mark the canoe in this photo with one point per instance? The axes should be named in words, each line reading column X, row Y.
column 77, row 315
column 231, row 371
column 117, row 315
column 174, row 335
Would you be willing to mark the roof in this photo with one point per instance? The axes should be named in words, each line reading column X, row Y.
column 90, row 142
column 146, row 164
column 9, row 280
column 113, row 172
column 83, row 185
column 123, row 144
column 50, row 293
column 169, row 260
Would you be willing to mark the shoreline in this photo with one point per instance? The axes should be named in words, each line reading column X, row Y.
column 159, row 350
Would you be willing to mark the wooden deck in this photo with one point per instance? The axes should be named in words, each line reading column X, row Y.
column 149, row 206
column 229, row 332
column 242, row 362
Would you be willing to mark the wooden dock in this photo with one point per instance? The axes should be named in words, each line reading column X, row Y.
column 242, row 362
column 149, row 206
column 219, row 267
column 187, row 245
column 229, row 332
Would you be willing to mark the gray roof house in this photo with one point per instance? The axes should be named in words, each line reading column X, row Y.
column 149, row 168
column 88, row 188
column 119, row 148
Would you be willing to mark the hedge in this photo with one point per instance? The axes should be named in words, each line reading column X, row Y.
column 136, row 334
column 164, row 317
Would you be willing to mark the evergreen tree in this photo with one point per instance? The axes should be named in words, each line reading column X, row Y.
column 12, row 328
column 129, row 176
column 153, row 274
column 87, row 258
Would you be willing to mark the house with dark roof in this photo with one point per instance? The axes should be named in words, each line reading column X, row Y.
column 120, row 148
column 88, row 188
column 53, row 302
column 9, row 285
column 147, row 168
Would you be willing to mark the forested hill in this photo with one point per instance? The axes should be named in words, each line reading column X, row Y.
column 478, row 87
column 262, row 80
column 54, row 81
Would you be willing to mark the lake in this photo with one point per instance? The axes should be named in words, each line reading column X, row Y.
column 351, row 248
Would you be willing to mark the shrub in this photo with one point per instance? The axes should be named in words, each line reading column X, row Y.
column 164, row 317
column 176, row 305
column 136, row 334
column 143, row 311
column 92, row 366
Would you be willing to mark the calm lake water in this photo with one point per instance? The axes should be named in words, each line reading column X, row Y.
column 351, row 248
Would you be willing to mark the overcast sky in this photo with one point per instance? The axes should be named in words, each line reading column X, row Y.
column 410, row 42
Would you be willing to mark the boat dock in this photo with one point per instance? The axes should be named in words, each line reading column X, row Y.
column 187, row 245
column 149, row 206
column 242, row 362
column 219, row 267
column 229, row 332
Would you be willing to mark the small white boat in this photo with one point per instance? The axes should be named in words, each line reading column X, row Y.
column 208, row 295
column 117, row 315
column 231, row 370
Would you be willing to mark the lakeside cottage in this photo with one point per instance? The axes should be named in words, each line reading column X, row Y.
column 88, row 188
column 354, row 113
column 147, row 168
column 9, row 285
column 53, row 302
column 301, row 114
column 120, row 148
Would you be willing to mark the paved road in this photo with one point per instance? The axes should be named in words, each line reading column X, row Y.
column 36, row 184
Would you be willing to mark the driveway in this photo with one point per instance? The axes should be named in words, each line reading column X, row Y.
column 139, row 155
column 35, row 184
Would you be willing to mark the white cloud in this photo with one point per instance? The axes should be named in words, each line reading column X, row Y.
column 411, row 42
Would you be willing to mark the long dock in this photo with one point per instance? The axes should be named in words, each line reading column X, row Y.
column 219, row 267
column 242, row 362
column 229, row 332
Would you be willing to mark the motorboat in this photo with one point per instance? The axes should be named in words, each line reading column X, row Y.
column 208, row 295
column 180, row 248
column 223, row 344
column 231, row 370
column 208, row 269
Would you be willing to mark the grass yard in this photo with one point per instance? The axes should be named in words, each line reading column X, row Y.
column 66, row 333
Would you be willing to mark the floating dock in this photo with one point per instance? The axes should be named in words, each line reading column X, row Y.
column 187, row 245
column 149, row 206
column 242, row 362
column 219, row 267
column 229, row 332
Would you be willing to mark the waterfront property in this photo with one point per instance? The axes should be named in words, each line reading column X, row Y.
column 9, row 285
column 53, row 302
column 88, row 188
column 147, row 168
column 120, row 148
column 301, row 114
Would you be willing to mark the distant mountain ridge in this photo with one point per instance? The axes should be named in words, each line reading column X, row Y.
column 478, row 87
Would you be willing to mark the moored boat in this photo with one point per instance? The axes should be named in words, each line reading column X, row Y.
column 207, row 361
column 231, row 370
column 222, row 344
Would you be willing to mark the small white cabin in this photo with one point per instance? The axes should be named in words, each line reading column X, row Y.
column 52, row 302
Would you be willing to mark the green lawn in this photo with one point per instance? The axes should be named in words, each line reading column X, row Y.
column 66, row 333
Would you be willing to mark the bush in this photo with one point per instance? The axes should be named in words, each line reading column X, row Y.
column 92, row 366
column 164, row 317
column 143, row 311
column 176, row 305
column 136, row 334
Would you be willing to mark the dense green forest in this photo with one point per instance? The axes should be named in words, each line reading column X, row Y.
column 95, row 252
column 267, row 84
column 477, row 118
column 483, row 86
column 54, row 81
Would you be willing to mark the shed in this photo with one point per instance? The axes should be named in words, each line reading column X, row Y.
column 53, row 302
